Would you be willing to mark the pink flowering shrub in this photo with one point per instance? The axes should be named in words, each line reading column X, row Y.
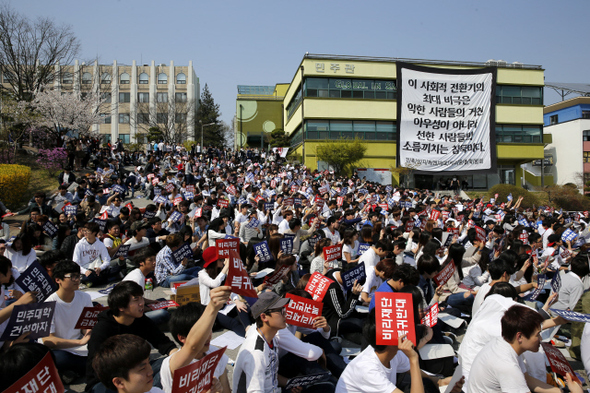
column 53, row 160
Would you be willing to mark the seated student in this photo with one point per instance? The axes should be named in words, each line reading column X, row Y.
column 123, row 365
column 403, row 275
column 167, row 271
column 339, row 307
column 572, row 288
column 93, row 257
column 499, row 366
column 6, row 278
column 125, row 315
column 67, row 343
column 375, row 278
column 191, row 326
column 376, row 368
column 145, row 262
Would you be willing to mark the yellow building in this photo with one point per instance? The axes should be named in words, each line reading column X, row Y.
column 332, row 97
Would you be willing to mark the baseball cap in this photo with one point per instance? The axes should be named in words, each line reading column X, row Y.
column 267, row 301
column 209, row 256
column 137, row 225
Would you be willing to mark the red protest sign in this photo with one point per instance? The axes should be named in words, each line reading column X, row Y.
column 409, row 225
column 277, row 275
column 88, row 318
column 232, row 190
column 288, row 201
column 197, row 377
column 558, row 362
column 443, row 276
column 169, row 187
column 434, row 215
column 524, row 237
column 340, row 200
column 224, row 246
column 162, row 304
column 222, row 203
column 384, row 206
column 481, row 234
column 155, row 181
column 237, row 277
column 177, row 200
column 294, row 188
column 394, row 316
column 301, row 311
column 333, row 253
column 317, row 286
column 42, row 378
column 190, row 188
column 431, row 317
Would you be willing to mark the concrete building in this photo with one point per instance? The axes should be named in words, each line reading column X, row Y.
column 333, row 96
column 568, row 155
column 136, row 97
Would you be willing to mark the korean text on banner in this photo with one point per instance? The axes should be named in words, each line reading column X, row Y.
column 394, row 316
column 301, row 311
column 197, row 377
column 237, row 277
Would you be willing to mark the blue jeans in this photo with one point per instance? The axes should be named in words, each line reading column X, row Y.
column 187, row 274
column 158, row 316
column 458, row 300
column 67, row 361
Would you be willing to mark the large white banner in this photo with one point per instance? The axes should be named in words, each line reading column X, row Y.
column 446, row 119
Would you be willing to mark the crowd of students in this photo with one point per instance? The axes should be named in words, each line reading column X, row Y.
column 404, row 238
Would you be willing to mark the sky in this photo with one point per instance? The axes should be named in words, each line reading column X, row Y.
column 262, row 42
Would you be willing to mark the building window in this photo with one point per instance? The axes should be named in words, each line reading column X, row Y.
column 586, row 135
column 294, row 104
column 67, row 78
column 86, row 78
column 143, row 78
column 105, row 79
column 366, row 89
column 143, row 118
column 553, row 119
column 143, row 97
column 587, row 156
column 123, row 118
column 586, row 178
column 162, row 79
column 105, row 118
column 521, row 95
column 518, row 134
column 83, row 96
column 124, row 138
column 162, row 118
column 124, row 79
column 180, row 97
column 180, row 117
column 337, row 129
column 585, row 114
column 181, row 79
column 162, row 97
column 124, row 97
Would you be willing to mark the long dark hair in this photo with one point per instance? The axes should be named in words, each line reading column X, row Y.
column 456, row 252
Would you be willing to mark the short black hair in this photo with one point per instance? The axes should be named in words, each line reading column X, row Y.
column 498, row 267
column 407, row 274
column 370, row 331
column 18, row 360
column 117, row 355
column 121, row 294
column 65, row 267
column 183, row 319
column 520, row 319
column 428, row 264
column 580, row 266
column 142, row 255
column 5, row 265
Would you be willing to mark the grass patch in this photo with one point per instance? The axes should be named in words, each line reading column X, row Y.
column 41, row 179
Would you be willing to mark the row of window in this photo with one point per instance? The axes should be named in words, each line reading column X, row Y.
column 145, row 97
column 377, row 89
column 519, row 134
column 143, row 118
column 143, row 78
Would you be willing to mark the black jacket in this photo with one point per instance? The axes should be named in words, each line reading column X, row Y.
column 107, row 327
column 336, row 306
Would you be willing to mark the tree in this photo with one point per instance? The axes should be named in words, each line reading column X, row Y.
column 171, row 118
column 29, row 51
column 17, row 124
column 209, row 113
column 278, row 138
column 228, row 133
column 341, row 154
column 66, row 111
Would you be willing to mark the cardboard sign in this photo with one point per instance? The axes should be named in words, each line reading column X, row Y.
column 263, row 251
column 431, row 317
column 409, row 226
column 357, row 274
column 175, row 216
column 36, row 278
column 434, row 215
column 232, row 190
column 71, row 210
column 481, row 234
column 340, row 201
column 269, row 206
column 301, row 311
column 177, row 201
column 394, row 316
column 191, row 188
column 237, row 277
column 307, row 380
column 187, row 294
column 163, row 304
column 556, row 282
column 572, row 315
column 253, row 223
column 541, row 278
column 524, row 237
column 222, row 203
column 34, row 318
column 50, row 228
column 557, row 361
column 88, row 317
column 183, row 252
column 197, row 377
column 443, row 276
column 155, row 181
column 122, row 251
column 148, row 214
column 317, row 286
column 169, row 187
column 568, row 234
column 224, row 246
column 286, row 245
column 363, row 247
column 333, row 253
column 42, row 378
column 277, row 275
column 288, row 202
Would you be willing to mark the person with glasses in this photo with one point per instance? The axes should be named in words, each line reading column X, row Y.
column 68, row 343
column 257, row 364
column 114, row 205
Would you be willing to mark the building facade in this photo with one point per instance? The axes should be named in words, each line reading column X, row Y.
column 136, row 97
column 333, row 97
column 568, row 123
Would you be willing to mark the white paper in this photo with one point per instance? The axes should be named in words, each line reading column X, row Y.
column 229, row 339
column 451, row 320
column 436, row 351
column 346, row 351
column 264, row 273
column 362, row 309
column 456, row 377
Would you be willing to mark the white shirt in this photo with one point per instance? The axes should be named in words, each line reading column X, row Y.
column 65, row 317
column 371, row 283
column 335, row 237
column 137, row 276
column 85, row 254
column 257, row 366
column 283, row 226
column 370, row 258
column 206, row 283
column 479, row 298
column 19, row 261
column 497, row 368
column 366, row 373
